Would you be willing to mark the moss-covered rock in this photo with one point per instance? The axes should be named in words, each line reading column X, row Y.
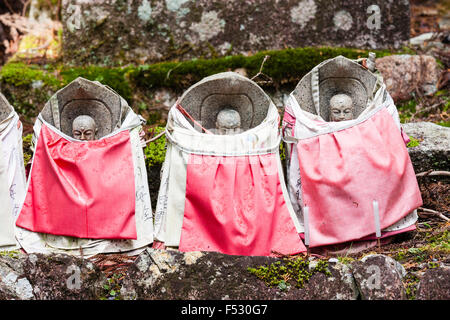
column 28, row 86
column 283, row 66
column 174, row 275
column 298, row 271
column 100, row 32
column 112, row 77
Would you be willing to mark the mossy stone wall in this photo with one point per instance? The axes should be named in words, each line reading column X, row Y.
column 118, row 32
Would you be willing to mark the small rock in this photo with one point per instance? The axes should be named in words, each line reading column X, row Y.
column 433, row 151
column 13, row 283
column 170, row 274
column 161, row 274
column 404, row 73
column 434, row 285
column 340, row 285
column 379, row 277
column 50, row 277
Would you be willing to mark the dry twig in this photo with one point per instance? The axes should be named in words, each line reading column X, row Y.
column 260, row 73
column 155, row 138
column 434, row 106
column 433, row 173
column 429, row 212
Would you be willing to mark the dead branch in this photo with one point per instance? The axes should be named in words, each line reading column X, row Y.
column 155, row 138
column 433, row 173
column 429, row 212
column 434, row 106
column 260, row 73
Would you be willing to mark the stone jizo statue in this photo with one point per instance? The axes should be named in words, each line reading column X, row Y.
column 341, row 108
column 228, row 122
column 84, row 128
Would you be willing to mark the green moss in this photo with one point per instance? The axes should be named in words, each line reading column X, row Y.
column 112, row 288
column 432, row 265
column 346, row 260
column 27, row 87
column 440, row 241
column 112, row 77
column 435, row 245
column 400, row 255
column 18, row 78
column 296, row 271
column 155, row 151
column 411, row 282
column 11, row 253
column 282, row 152
column 27, row 153
column 406, row 110
column 444, row 123
column 413, row 142
column 19, row 74
column 282, row 66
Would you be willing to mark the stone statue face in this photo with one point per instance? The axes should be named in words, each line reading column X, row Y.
column 341, row 108
column 84, row 128
column 228, row 122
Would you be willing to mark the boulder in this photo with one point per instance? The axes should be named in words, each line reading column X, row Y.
column 164, row 30
column 403, row 74
column 14, row 285
column 173, row 275
column 379, row 277
column 434, row 284
column 433, row 151
column 340, row 285
column 50, row 277
column 170, row 274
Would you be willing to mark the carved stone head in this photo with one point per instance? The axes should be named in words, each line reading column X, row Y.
column 331, row 78
column 89, row 98
column 341, row 107
column 243, row 98
column 228, row 121
column 84, row 128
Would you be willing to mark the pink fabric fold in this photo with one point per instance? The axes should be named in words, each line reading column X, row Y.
column 235, row 205
column 81, row 189
column 342, row 174
column 405, row 137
